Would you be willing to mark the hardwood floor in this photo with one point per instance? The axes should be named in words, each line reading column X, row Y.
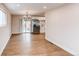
column 32, row 45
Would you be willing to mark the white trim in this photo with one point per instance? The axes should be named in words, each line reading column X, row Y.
column 64, row 48
column 5, row 45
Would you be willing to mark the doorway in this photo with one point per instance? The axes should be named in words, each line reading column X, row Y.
column 35, row 26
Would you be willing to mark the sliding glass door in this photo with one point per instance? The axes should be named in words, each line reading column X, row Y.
column 26, row 26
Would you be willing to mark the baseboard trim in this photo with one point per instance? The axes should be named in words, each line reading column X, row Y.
column 64, row 48
column 5, row 45
column 16, row 33
column 28, row 32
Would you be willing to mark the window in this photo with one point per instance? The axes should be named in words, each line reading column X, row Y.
column 2, row 18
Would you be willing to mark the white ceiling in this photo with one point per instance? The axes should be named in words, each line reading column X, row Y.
column 31, row 8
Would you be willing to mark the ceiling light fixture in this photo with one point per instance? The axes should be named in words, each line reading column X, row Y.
column 45, row 7
column 17, row 5
column 27, row 16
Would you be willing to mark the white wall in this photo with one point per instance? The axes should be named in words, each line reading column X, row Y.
column 5, row 32
column 16, row 24
column 62, row 27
